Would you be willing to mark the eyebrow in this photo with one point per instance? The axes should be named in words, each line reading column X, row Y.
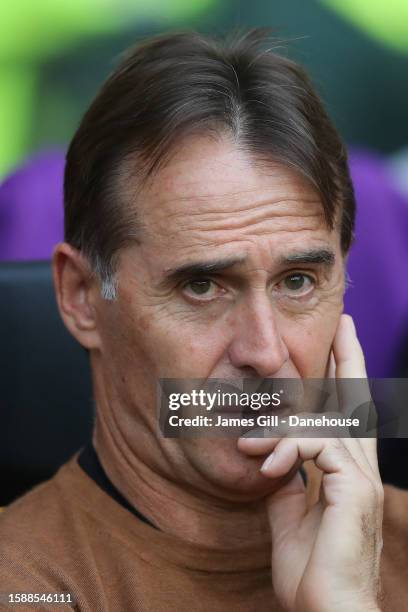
column 201, row 268
column 316, row 256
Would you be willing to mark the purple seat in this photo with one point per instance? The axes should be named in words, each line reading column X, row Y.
column 378, row 297
column 31, row 208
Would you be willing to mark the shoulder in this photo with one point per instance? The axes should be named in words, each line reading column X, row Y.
column 41, row 513
column 37, row 531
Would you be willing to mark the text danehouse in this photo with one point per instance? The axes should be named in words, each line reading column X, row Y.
column 220, row 420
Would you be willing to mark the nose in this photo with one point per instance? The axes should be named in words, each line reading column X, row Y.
column 257, row 343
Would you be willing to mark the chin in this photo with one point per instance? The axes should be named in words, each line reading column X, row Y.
column 230, row 474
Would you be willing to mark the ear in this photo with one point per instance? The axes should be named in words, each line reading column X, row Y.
column 76, row 288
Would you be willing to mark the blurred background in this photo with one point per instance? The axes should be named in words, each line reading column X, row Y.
column 54, row 55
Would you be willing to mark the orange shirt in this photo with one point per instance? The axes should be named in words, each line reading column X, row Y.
column 69, row 535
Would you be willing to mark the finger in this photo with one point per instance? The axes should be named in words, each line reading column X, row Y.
column 358, row 453
column 347, row 351
column 342, row 478
column 331, row 372
column 257, row 446
column 262, row 440
column 350, row 364
column 369, row 445
column 262, row 446
column 334, row 459
column 329, row 454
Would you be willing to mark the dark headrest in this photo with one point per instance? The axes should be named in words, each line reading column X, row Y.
column 45, row 387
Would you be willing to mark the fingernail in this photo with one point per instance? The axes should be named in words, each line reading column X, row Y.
column 267, row 463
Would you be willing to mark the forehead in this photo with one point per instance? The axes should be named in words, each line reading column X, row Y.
column 214, row 194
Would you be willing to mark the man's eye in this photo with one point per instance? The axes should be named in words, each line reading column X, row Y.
column 201, row 288
column 297, row 284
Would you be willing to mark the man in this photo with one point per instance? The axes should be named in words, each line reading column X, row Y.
column 208, row 216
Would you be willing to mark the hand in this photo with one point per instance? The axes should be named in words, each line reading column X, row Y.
column 326, row 558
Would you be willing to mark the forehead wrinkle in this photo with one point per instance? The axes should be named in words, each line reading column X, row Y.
column 246, row 219
column 249, row 224
column 191, row 237
column 257, row 226
column 209, row 201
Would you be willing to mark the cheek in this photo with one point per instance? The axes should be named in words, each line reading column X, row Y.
column 164, row 348
column 309, row 345
column 190, row 351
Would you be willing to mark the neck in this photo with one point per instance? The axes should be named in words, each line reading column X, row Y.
column 172, row 506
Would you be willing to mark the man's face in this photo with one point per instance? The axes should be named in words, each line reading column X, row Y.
column 236, row 275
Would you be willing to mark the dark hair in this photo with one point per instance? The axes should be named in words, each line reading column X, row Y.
column 182, row 83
